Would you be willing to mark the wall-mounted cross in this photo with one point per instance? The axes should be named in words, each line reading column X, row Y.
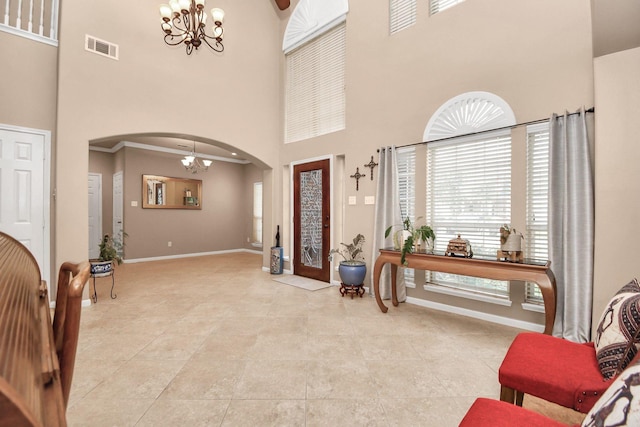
column 371, row 165
column 357, row 176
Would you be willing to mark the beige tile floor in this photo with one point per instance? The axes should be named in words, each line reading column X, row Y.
column 214, row 341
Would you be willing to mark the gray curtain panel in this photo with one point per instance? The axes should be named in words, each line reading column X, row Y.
column 387, row 213
column 571, row 222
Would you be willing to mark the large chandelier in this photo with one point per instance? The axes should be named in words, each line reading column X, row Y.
column 183, row 21
column 193, row 164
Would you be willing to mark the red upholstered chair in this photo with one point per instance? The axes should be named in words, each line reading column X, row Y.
column 571, row 374
column 553, row 369
column 619, row 405
column 494, row 413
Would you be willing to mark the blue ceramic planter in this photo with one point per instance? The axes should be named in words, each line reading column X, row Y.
column 352, row 272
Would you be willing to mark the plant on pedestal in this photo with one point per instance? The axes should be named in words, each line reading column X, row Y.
column 353, row 268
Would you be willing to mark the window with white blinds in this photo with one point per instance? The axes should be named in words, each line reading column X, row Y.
column 406, row 160
column 436, row 6
column 469, row 193
column 537, row 220
column 315, row 96
column 402, row 14
column 257, row 212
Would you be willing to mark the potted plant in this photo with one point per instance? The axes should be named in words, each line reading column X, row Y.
column 353, row 268
column 110, row 252
column 411, row 237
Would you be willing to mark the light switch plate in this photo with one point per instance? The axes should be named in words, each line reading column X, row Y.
column 352, row 200
column 369, row 200
column 134, row 203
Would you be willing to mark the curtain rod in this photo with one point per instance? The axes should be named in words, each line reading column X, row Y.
column 532, row 122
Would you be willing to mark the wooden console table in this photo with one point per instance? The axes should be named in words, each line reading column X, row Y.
column 535, row 271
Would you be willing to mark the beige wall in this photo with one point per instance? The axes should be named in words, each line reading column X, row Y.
column 227, row 98
column 617, row 176
column 223, row 223
column 28, row 82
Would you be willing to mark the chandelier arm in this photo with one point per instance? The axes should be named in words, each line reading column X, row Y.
column 217, row 45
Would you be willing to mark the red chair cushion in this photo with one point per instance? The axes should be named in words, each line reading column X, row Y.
column 553, row 369
column 494, row 413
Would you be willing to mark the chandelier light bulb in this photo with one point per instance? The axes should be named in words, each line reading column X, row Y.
column 165, row 12
column 185, row 5
column 217, row 15
column 175, row 7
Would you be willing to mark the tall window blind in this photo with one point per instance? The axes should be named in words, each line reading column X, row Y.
column 537, row 219
column 406, row 158
column 402, row 14
column 257, row 212
column 469, row 193
column 315, row 95
column 436, row 6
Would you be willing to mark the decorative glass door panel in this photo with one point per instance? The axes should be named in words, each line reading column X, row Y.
column 311, row 220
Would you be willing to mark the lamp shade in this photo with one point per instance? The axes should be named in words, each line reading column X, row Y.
column 184, row 4
column 165, row 11
column 207, row 163
column 217, row 15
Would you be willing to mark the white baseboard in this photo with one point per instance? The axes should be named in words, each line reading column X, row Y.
column 160, row 258
column 85, row 303
column 528, row 326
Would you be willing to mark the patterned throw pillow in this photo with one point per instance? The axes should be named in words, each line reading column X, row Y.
column 618, row 333
column 620, row 404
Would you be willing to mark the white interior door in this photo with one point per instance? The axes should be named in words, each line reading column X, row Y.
column 95, row 214
column 117, row 204
column 24, row 206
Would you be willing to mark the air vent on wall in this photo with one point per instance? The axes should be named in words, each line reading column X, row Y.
column 101, row 47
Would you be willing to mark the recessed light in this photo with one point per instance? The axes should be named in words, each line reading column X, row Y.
column 234, row 154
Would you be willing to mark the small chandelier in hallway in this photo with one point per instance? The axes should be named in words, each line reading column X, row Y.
column 183, row 21
column 193, row 164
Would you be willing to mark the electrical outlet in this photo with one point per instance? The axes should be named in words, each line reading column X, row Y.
column 169, row 244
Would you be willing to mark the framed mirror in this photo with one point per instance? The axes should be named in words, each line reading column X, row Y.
column 163, row 192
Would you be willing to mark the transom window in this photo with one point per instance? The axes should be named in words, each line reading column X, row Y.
column 402, row 14
column 436, row 6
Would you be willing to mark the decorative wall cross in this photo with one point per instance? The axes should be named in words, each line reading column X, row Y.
column 371, row 165
column 357, row 176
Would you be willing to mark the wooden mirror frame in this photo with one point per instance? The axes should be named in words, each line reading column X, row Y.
column 163, row 192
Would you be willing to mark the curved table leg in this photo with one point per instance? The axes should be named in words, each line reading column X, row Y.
column 95, row 292
column 394, row 282
column 113, row 283
column 377, row 270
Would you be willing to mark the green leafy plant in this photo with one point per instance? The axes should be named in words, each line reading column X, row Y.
column 416, row 234
column 351, row 252
column 111, row 247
